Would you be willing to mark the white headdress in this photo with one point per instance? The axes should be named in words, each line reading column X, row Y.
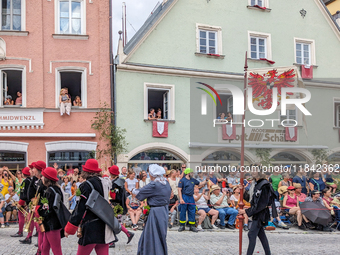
column 157, row 172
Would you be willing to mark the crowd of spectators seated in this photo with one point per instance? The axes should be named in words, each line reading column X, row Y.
column 217, row 202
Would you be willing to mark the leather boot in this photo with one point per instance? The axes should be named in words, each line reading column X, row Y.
column 181, row 228
column 26, row 240
column 130, row 237
column 193, row 228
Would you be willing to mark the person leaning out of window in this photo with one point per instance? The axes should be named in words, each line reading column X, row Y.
column 77, row 101
column 18, row 100
column 65, row 102
column 8, row 100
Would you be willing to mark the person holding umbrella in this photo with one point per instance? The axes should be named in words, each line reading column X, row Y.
column 314, row 209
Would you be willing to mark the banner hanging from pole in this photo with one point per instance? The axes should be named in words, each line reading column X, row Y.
column 263, row 80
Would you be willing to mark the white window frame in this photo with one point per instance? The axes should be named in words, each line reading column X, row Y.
column 23, row 85
column 57, row 17
column 264, row 2
column 78, row 69
column 226, row 92
column 208, row 28
column 288, row 116
column 171, row 99
column 268, row 43
column 312, row 54
column 336, row 112
column 23, row 16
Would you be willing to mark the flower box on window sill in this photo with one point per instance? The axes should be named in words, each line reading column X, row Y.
column 262, row 60
column 13, row 33
column 70, row 36
column 170, row 121
column 259, row 8
column 210, row 55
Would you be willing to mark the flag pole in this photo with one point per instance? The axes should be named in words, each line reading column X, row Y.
column 241, row 204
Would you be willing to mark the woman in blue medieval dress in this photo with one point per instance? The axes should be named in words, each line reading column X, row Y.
column 157, row 193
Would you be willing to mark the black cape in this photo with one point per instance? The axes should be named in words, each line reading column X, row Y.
column 263, row 198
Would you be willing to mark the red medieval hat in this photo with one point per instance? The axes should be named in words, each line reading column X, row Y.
column 91, row 165
column 31, row 165
column 26, row 171
column 50, row 173
column 39, row 165
column 114, row 170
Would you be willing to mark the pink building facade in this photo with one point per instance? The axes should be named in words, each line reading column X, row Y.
column 45, row 46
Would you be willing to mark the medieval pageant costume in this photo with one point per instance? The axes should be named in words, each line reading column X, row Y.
column 36, row 188
column 157, row 193
column 118, row 197
column 52, row 228
column 93, row 232
column 262, row 198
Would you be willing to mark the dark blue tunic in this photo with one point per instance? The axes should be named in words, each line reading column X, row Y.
column 153, row 238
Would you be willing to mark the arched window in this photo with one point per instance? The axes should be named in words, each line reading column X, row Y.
column 288, row 157
column 143, row 159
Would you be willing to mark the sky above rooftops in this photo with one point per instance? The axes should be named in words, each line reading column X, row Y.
column 137, row 11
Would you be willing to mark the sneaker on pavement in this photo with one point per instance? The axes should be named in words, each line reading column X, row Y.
column 199, row 228
column 230, row 226
column 281, row 225
column 2, row 225
column 222, row 227
column 112, row 245
column 7, row 225
column 245, row 227
column 302, row 227
column 214, row 227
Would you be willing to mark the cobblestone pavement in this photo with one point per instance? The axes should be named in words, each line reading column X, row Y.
column 218, row 242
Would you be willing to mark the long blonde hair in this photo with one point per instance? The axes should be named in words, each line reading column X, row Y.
column 61, row 91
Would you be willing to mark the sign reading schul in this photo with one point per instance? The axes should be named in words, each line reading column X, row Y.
column 13, row 118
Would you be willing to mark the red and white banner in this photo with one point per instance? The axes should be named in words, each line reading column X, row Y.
column 291, row 133
column 228, row 132
column 159, row 129
column 307, row 72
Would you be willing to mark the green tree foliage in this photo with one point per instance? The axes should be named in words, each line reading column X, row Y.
column 264, row 155
column 113, row 136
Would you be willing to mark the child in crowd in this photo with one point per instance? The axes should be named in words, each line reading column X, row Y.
column 135, row 209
